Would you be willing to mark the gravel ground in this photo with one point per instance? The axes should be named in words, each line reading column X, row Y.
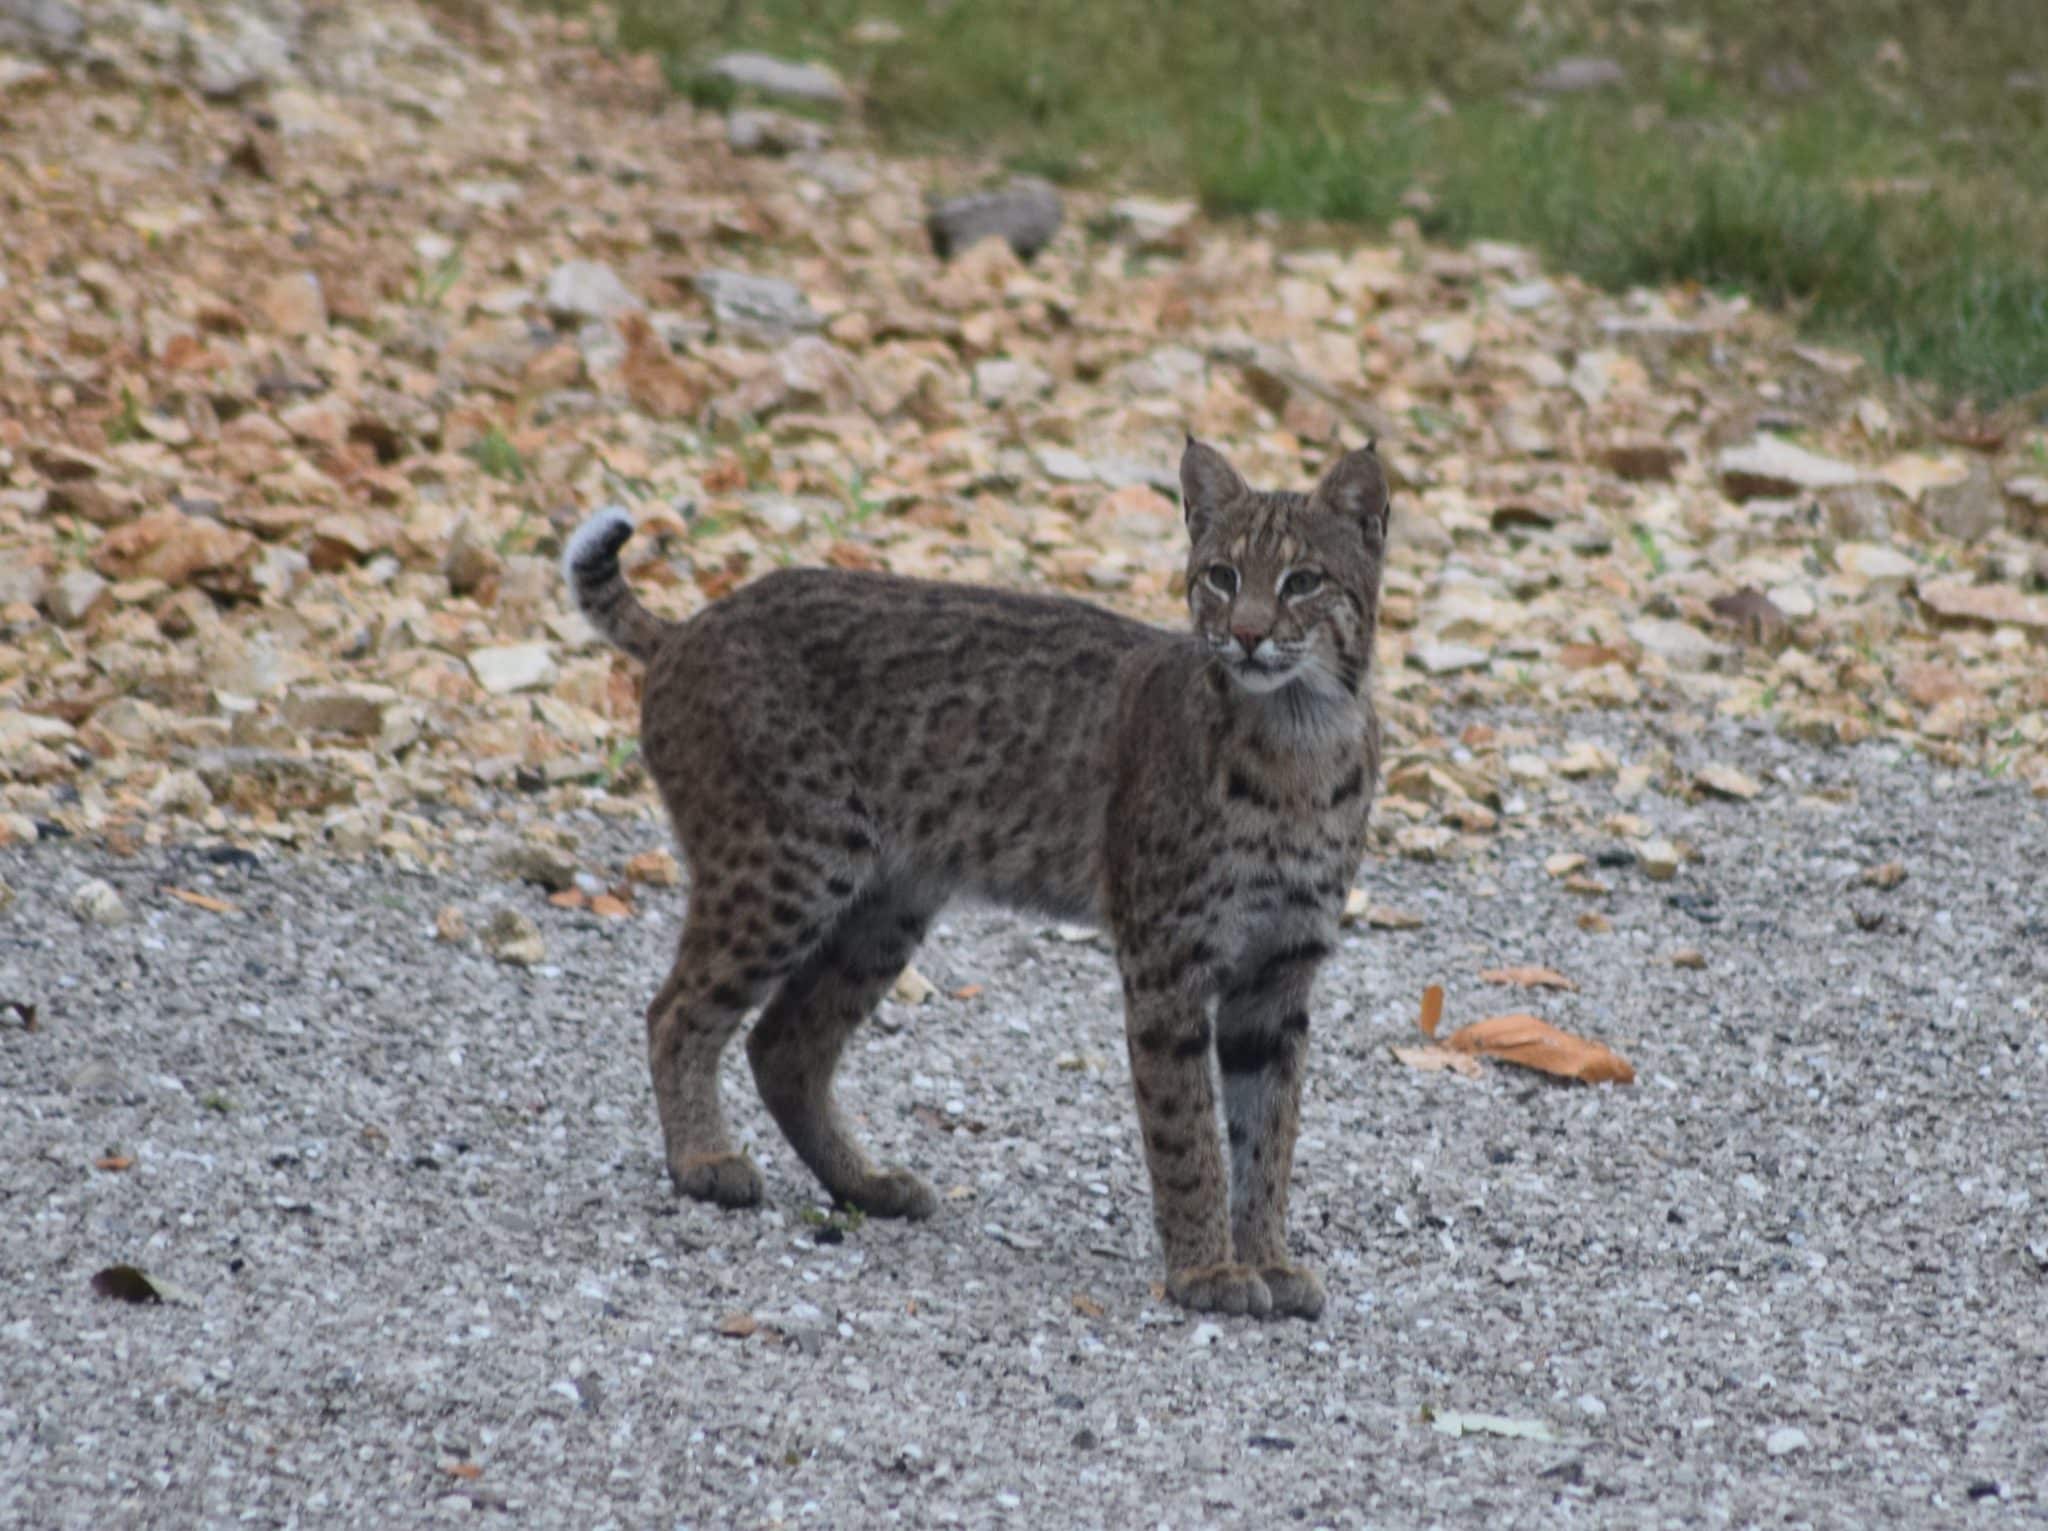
column 431, row 1268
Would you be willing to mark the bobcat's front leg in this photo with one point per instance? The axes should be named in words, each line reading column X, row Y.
column 1167, row 1031
column 1261, row 1050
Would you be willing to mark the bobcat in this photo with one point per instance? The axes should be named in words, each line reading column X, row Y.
column 841, row 753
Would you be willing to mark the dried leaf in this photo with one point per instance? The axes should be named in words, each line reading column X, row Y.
column 610, row 907
column 128, row 1283
column 1536, row 1044
column 1886, row 875
column 202, row 901
column 1528, row 978
column 1432, row 1009
column 737, row 1325
column 1432, row 1058
column 1385, row 917
column 570, row 898
column 113, row 1163
column 1087, row 1306
column 1446, row 1422
column 968, row 991
column 469, row 1472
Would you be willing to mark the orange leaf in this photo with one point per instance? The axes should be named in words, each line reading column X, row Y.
column 1537, row 1044
column 114, row 1163
column 203, row 901
column 1528, row 977
column 737, row 1325
column 464, row 1470
column 1087, row 1306
column 611, row 908
column 971, row 991
column 569, row 898
column 1433, row 1057
column 1432, row 1008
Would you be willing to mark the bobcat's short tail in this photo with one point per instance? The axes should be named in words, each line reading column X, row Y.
column 590, row 563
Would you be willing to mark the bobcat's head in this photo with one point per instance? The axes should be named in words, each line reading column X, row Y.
column 1285, row 587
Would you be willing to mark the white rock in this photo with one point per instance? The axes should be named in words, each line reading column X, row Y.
column 180, row 792
column 1152, row 221
column 762, row 132
column 1880, row 567
column 97, row 902
column 1785, row 1440
column 18, row 730
column 756, row 304
column 1435, row 657
column 72, row 596
column 579, row 290
column 513, row 667
column 1000, row 380
column 1678, row 644
column 512, row 937
column 771, row 76
column 1659, row 859
column 1068, row 467
column 1204, row 1335
column 1771, row 465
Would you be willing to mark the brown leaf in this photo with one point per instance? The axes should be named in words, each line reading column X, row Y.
column 1887, row 875
column 113, row 1163
column 127, row 1283
column 1537, row 1044
column 202, row 901
column 1431, row 1057
column 736, row 1325
column 1528, row 977
column 1385, row 917
column 1432, row 1009
column 570, row 898
column 968, row 991
column 609, row 907
column 1087, row 1306
column 468, row 1471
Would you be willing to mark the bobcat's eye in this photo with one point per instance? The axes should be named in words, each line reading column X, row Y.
column 1300, row 583
column 1221, row 578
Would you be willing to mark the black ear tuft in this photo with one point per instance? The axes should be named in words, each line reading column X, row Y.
column 1207, row 484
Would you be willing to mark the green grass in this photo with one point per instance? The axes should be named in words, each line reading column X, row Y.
column 1713, row 164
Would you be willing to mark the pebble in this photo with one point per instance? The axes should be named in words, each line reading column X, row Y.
column 1785, row 1440
column 1659, row 859
column 767, row 75
column 513, row 667
column 581, row 290
column 97, row 902
column 512, row 937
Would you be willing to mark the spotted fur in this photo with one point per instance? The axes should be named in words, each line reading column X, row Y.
column 841, row 753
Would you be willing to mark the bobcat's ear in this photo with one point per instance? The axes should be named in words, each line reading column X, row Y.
column 1207, row 485
column 1356, row 488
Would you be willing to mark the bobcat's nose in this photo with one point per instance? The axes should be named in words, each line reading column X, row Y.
column 1248, row 638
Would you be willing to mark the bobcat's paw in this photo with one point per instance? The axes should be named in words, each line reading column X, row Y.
column 729, row 1179
column 1296, row 1290
column 893, row 1193
column 1220, row 1289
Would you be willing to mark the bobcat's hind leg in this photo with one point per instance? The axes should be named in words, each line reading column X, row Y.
column 796, row 1046
column 740, row 939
